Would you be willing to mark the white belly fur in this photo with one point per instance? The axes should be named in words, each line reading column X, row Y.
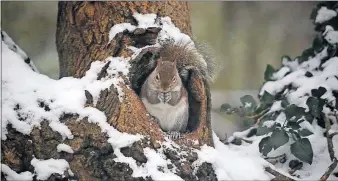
column 168, row 115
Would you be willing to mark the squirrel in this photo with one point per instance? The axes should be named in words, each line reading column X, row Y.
column 166, row 99
column 164, row 92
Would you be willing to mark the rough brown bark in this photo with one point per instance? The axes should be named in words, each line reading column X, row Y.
column 83, row 27
column 81, row 38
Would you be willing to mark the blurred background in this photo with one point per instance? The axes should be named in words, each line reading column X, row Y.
column 246, row 36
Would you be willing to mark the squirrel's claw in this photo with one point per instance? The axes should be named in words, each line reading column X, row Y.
column 153, row 118
column 174, row 135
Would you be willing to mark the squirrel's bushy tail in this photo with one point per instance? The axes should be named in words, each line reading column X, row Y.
column 191, row 55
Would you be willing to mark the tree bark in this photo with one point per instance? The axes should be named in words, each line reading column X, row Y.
column 81, row 38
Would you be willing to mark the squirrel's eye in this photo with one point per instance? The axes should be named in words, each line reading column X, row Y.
column 174, row 79
column 157, row 77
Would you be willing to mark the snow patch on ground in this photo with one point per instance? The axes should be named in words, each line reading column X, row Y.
column 230, row 164
column 12, row 175
column 45, row 168
column 63, row 147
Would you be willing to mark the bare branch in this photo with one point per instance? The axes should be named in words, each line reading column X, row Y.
column 278, row 176
column 329, row 170
column 329, row 139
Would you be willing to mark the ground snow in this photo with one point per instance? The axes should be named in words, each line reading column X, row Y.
column 12, row 175
column 63, row 147
column 45, row 168
column 230, row 164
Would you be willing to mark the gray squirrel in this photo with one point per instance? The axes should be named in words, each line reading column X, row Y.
column 166, row 99
column 163, row 92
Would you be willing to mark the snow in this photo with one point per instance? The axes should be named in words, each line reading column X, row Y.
column 230, row 164
column 117, row 29
column 14, row 47
column 155, row 160
column 45, row 168
column 330, row 35
column 23, row 89
column 63, row 147
column 325, row 14
column 62, row 96
column 304, row 84
column 281, row 73
column 168, row 30
column 12, row 175
column 67, row 96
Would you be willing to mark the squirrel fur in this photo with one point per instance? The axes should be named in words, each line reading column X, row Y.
column 165, row 75
column 165, row 97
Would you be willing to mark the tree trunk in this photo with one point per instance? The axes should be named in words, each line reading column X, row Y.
column 81, row 38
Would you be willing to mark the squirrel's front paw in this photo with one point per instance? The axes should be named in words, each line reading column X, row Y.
column 174, row 135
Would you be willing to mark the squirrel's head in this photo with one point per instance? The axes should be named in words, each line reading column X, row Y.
column 165, row 77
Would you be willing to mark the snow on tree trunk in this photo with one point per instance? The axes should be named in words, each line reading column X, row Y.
column 83, row 37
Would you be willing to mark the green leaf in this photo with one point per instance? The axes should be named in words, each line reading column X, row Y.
column 262, row 130
column 268, row 72
column 309, row 118
column 314, row 106
column 302, row 149
column 285, row 103
column 248, row 100
column 305, row 132
column 293, row 125
column 267, row 98
column 264, row 146
column 318, row 92
column 295, row 134
column 279, row 138
column 286, row 58
column 293, row 112
column 225, row 108
column 318, row 43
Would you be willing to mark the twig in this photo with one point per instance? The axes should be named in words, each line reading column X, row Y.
column 278, row 175
column 333, row 134
column 260, row 118
column 329, row 139
column 329, row 170
column 256, row 116
column 334, row 160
